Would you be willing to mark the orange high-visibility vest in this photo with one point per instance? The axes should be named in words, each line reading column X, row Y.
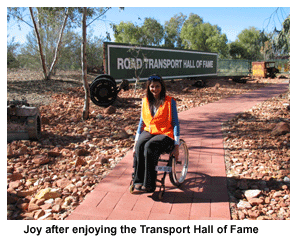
column 161, row 123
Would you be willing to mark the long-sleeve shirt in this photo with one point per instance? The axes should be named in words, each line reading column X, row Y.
column 175, row 123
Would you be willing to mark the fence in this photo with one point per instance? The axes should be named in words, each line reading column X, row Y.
column 233, row 67
column 283, row 65
column 241, row 67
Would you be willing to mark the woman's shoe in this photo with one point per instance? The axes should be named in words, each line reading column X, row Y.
column 136, row 189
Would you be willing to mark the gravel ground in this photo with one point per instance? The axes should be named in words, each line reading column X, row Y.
column 257, row 155
column 47, row 179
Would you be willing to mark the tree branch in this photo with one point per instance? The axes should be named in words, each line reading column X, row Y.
column 103, row 13
column 42, row 60
column 58, row 45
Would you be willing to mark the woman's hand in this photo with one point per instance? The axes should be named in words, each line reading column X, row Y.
column 134, row 149
column 175, row 152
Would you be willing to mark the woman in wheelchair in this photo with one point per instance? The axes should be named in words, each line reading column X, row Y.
column 158, row 132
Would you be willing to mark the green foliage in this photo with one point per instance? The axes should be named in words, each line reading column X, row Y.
column 179, row 32
column 172, row 31
column 249, row 39
column 127, row 33
column 94, row 52
column 12, row 61
column 237, row 51
column 197, row 35
column 70, row 53
column 49, row 24
column 150, row 33
column 282, row 41
column 191, row 33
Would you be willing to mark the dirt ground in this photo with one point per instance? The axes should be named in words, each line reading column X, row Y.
column 72, row 155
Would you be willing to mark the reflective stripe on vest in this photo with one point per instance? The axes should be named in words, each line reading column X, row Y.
column 161, row 123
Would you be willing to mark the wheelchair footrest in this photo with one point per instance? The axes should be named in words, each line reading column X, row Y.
column 163, row 168
column 163, row 160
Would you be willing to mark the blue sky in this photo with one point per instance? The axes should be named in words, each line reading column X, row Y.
column 232, row 20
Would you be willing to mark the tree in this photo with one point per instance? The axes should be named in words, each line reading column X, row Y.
column 98, row 12
column 217, row 42
column 40, row 18
column 172, row 31
column 197, row 35
column 266, row 41
column 237, row 51
column 58, row 44
column 127, row 33
column 12, row 61
column 94, row 52
column 42, row 58
column 136, row 53
column 84, row 66
column 70, row 52
column 250, row 40
column 150, row 33
column 188, row 33
column 283, row 38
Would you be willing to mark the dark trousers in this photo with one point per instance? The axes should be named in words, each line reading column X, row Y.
column 147, row 151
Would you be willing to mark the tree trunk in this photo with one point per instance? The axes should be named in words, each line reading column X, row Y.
column 58, row 46
column 42, row 59
column 84, row 66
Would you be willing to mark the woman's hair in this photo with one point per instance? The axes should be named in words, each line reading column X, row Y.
column 149, row 95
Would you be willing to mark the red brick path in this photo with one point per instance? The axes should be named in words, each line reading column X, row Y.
column 203, row 195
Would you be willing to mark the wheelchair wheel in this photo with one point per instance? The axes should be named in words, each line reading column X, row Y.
column 180, row 167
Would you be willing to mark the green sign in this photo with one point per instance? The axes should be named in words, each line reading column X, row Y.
column 123, row 61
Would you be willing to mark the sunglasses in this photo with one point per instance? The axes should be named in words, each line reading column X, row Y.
column 154, row 77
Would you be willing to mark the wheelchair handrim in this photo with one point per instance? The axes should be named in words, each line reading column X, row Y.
column 184, row 165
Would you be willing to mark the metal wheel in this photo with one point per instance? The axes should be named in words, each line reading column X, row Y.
column 161, row 191
column 160, row 195
column 180, row 166
column 103, row 91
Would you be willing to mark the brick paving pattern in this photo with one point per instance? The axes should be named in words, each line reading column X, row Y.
column 203, row 195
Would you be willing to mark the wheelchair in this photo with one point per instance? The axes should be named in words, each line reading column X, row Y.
column 177, row 169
